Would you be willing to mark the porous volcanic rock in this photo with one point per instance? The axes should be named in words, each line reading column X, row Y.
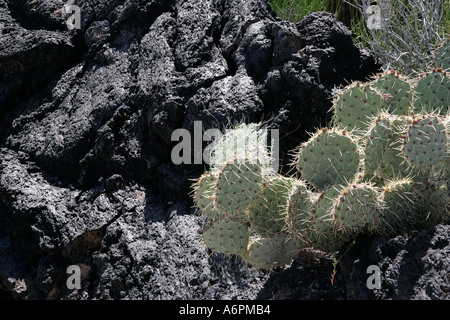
column 86, row 123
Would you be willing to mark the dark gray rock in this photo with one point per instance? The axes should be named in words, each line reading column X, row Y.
column 29, row 58
column 44, row 213
column 414, row 268
column 87, row 117
column 33, row 14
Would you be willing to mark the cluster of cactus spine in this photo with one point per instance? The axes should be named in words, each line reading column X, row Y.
column 380, row 167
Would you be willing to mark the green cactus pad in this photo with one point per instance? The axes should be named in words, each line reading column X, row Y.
column 432, row 92
column 268, row 253
column 321, row 217
column 329, row 157
column 267, row 214
column 238, row 184
column 227, row 237
column 426, row 141
column 376, row 143
column 398, row 196
column 322, row 233
column 442, row 55
column 356, row 105
column 329, row 241
column 393, row 163
column 357, row 207
column 396, row 92
column 299, row 209
column 204, row 195
column 433, row 205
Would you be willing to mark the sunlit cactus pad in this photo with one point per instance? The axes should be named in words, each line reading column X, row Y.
column 396, row 92
column 227, row 237
column 329, row 157
column 432, row 92
column 426, row 141
column 356, row 105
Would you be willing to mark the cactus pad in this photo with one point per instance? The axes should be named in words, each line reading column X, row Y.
column 322, row 232
column 357, row 207
column 267, row 215
column 426, row 142
column 245, row 141
column 398, row 195
column 227, row 237
column 356, row 105
column 267, row 253
column 299, row 209
column 329, row 157
column 393, row 163
column 237, row 186
column 396, row 92
column 433, row 205
column 204, row 195
column 432, row 92
column 376, row 142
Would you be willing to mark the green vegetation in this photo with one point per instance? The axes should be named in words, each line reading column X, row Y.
column 409, row 33
column 296, row 10
column 380, row 167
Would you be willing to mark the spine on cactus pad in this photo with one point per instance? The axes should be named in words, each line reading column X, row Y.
column 267, row 213
column 431, row 93
column 396, row 91
column 329, row 157
column 355, row 105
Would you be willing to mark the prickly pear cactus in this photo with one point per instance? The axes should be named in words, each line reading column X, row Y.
column 268, row 210
column 356, row 105
column 382, row 166
column 329, row 157
column 396, row 91
column 227, row 237
column 425, row 143
column 432, row 92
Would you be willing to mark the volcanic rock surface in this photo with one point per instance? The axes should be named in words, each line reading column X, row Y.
column 86, row 177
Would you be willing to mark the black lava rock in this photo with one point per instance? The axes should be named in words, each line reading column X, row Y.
column 86, row 123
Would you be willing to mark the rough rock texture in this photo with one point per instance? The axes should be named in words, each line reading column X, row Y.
column 86, row 118
column 413, row 268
